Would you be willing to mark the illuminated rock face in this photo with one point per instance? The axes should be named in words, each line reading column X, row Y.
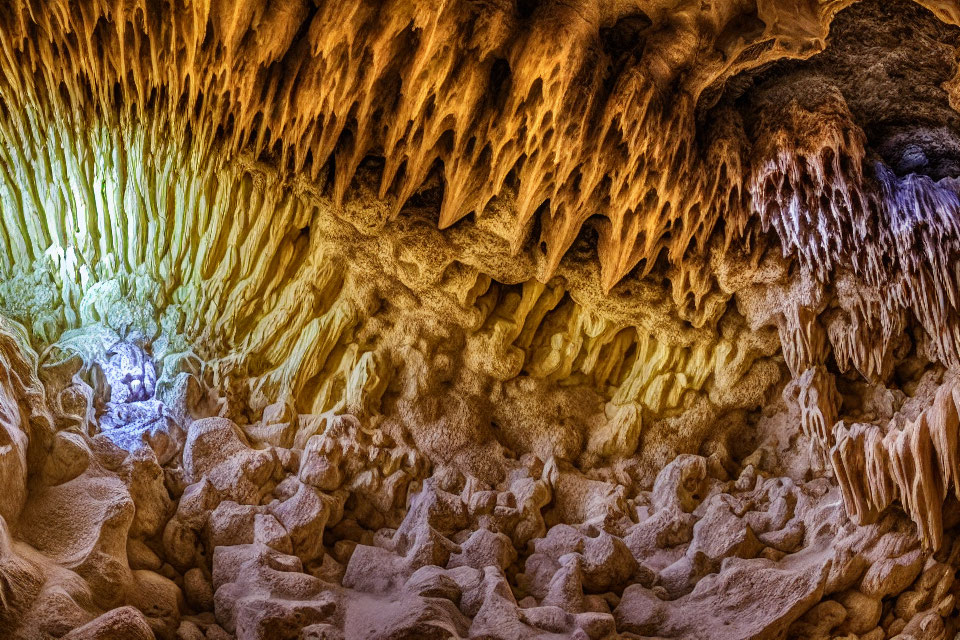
column 498, row 320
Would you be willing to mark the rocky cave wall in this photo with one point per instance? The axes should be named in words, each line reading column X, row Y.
column 501, row 319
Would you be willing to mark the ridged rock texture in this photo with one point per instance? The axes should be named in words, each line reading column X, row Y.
column 495, row 319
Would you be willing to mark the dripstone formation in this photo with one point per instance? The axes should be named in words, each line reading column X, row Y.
column 499, row 319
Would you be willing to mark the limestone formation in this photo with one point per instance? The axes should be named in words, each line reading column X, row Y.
column 496, row 319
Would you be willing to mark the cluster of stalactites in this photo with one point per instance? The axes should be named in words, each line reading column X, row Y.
column 574, row 111
column 805, row 350
column 839, row 210
column 917, row 464
column 569, row 113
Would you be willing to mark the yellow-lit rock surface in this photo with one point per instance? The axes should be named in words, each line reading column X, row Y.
column 479, row 319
